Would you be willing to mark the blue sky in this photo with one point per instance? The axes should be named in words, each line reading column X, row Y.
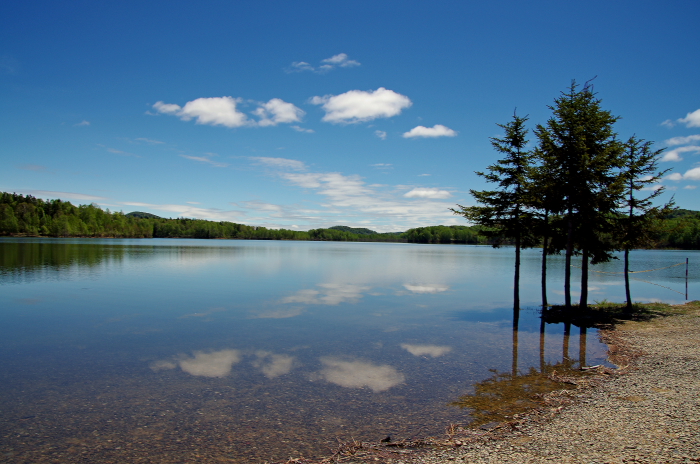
column 315, row 113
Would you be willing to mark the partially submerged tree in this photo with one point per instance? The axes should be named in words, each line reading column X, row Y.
column 639, row 213
column 504, row 211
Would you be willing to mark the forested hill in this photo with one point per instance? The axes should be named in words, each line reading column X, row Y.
column 28, row 216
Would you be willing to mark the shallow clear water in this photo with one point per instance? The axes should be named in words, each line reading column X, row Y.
column 175, row 350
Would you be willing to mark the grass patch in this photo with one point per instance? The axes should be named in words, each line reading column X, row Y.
column 605, row 314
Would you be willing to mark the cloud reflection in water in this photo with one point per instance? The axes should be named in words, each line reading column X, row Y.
column 423, row 288
column 331, row 294
column 426, row 350
column 358, row 374
column 273, row 365
column 212, row 364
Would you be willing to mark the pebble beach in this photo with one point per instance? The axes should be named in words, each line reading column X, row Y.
column 645, row 411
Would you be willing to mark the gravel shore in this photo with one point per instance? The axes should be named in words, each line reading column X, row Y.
column 647, row 411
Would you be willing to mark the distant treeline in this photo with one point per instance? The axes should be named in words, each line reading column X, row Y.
column 29, row 216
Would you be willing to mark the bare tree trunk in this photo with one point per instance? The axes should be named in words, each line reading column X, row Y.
column 516, row 320
column 627, row 279
column 542, row 339
column 545, row 244
column 567, row 261
column 583, row 302
column 582, row 346
column 516, row 283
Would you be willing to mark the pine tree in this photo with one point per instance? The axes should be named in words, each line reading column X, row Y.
column 505, row 211
column 640, row 173
column 583, row 154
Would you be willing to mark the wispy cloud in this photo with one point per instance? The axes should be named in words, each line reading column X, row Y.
column 683, row 140
column 82, row 123
column 360, row 106
column 149, row 141
column 437, row 130
column 205, row 159
column 118, row 152
column 32, row 167
column 419, row 192
column 380, row 134
column 191, row 211
column 279, row 163
column 61, row 195
column 302, row 129
column 341, row 60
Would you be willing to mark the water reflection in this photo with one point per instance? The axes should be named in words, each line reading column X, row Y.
column 422, row 288
column 365, row 340
column 426, row 350
column 330, row 294
column 499, row 397
column 359, row 374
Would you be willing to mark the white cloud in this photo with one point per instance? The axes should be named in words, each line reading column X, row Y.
column 690, row 187
column 675, row 154
column 380, row 134
column 426, row 288
column 223, row 111
column 215, row 111
column 676, row 176
column 438, row 130
column 668, row 123
column 358, row 105
column 83, row 123
column 204, row 159
column 692, row 174
column 277, row 111
column 359, row 374
column 280, row 163
column 426, row 350
column 683, row 140
column 691, row 119
column 419, row 192
column 166, row 108
column 340, row 60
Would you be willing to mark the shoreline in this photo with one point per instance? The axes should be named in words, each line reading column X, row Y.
column 646, row 410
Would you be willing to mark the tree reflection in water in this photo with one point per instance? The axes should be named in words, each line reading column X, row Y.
column 504, row 394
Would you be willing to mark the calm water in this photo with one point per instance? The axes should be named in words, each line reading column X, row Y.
column 177, row 350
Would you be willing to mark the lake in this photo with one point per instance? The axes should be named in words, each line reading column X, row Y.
column 175, row 350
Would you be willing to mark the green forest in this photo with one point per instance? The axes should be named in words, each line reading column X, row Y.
column 33, row 217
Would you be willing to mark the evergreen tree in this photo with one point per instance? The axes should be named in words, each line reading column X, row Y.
column 583, row 154
column 505, row 211
column 640, row 173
